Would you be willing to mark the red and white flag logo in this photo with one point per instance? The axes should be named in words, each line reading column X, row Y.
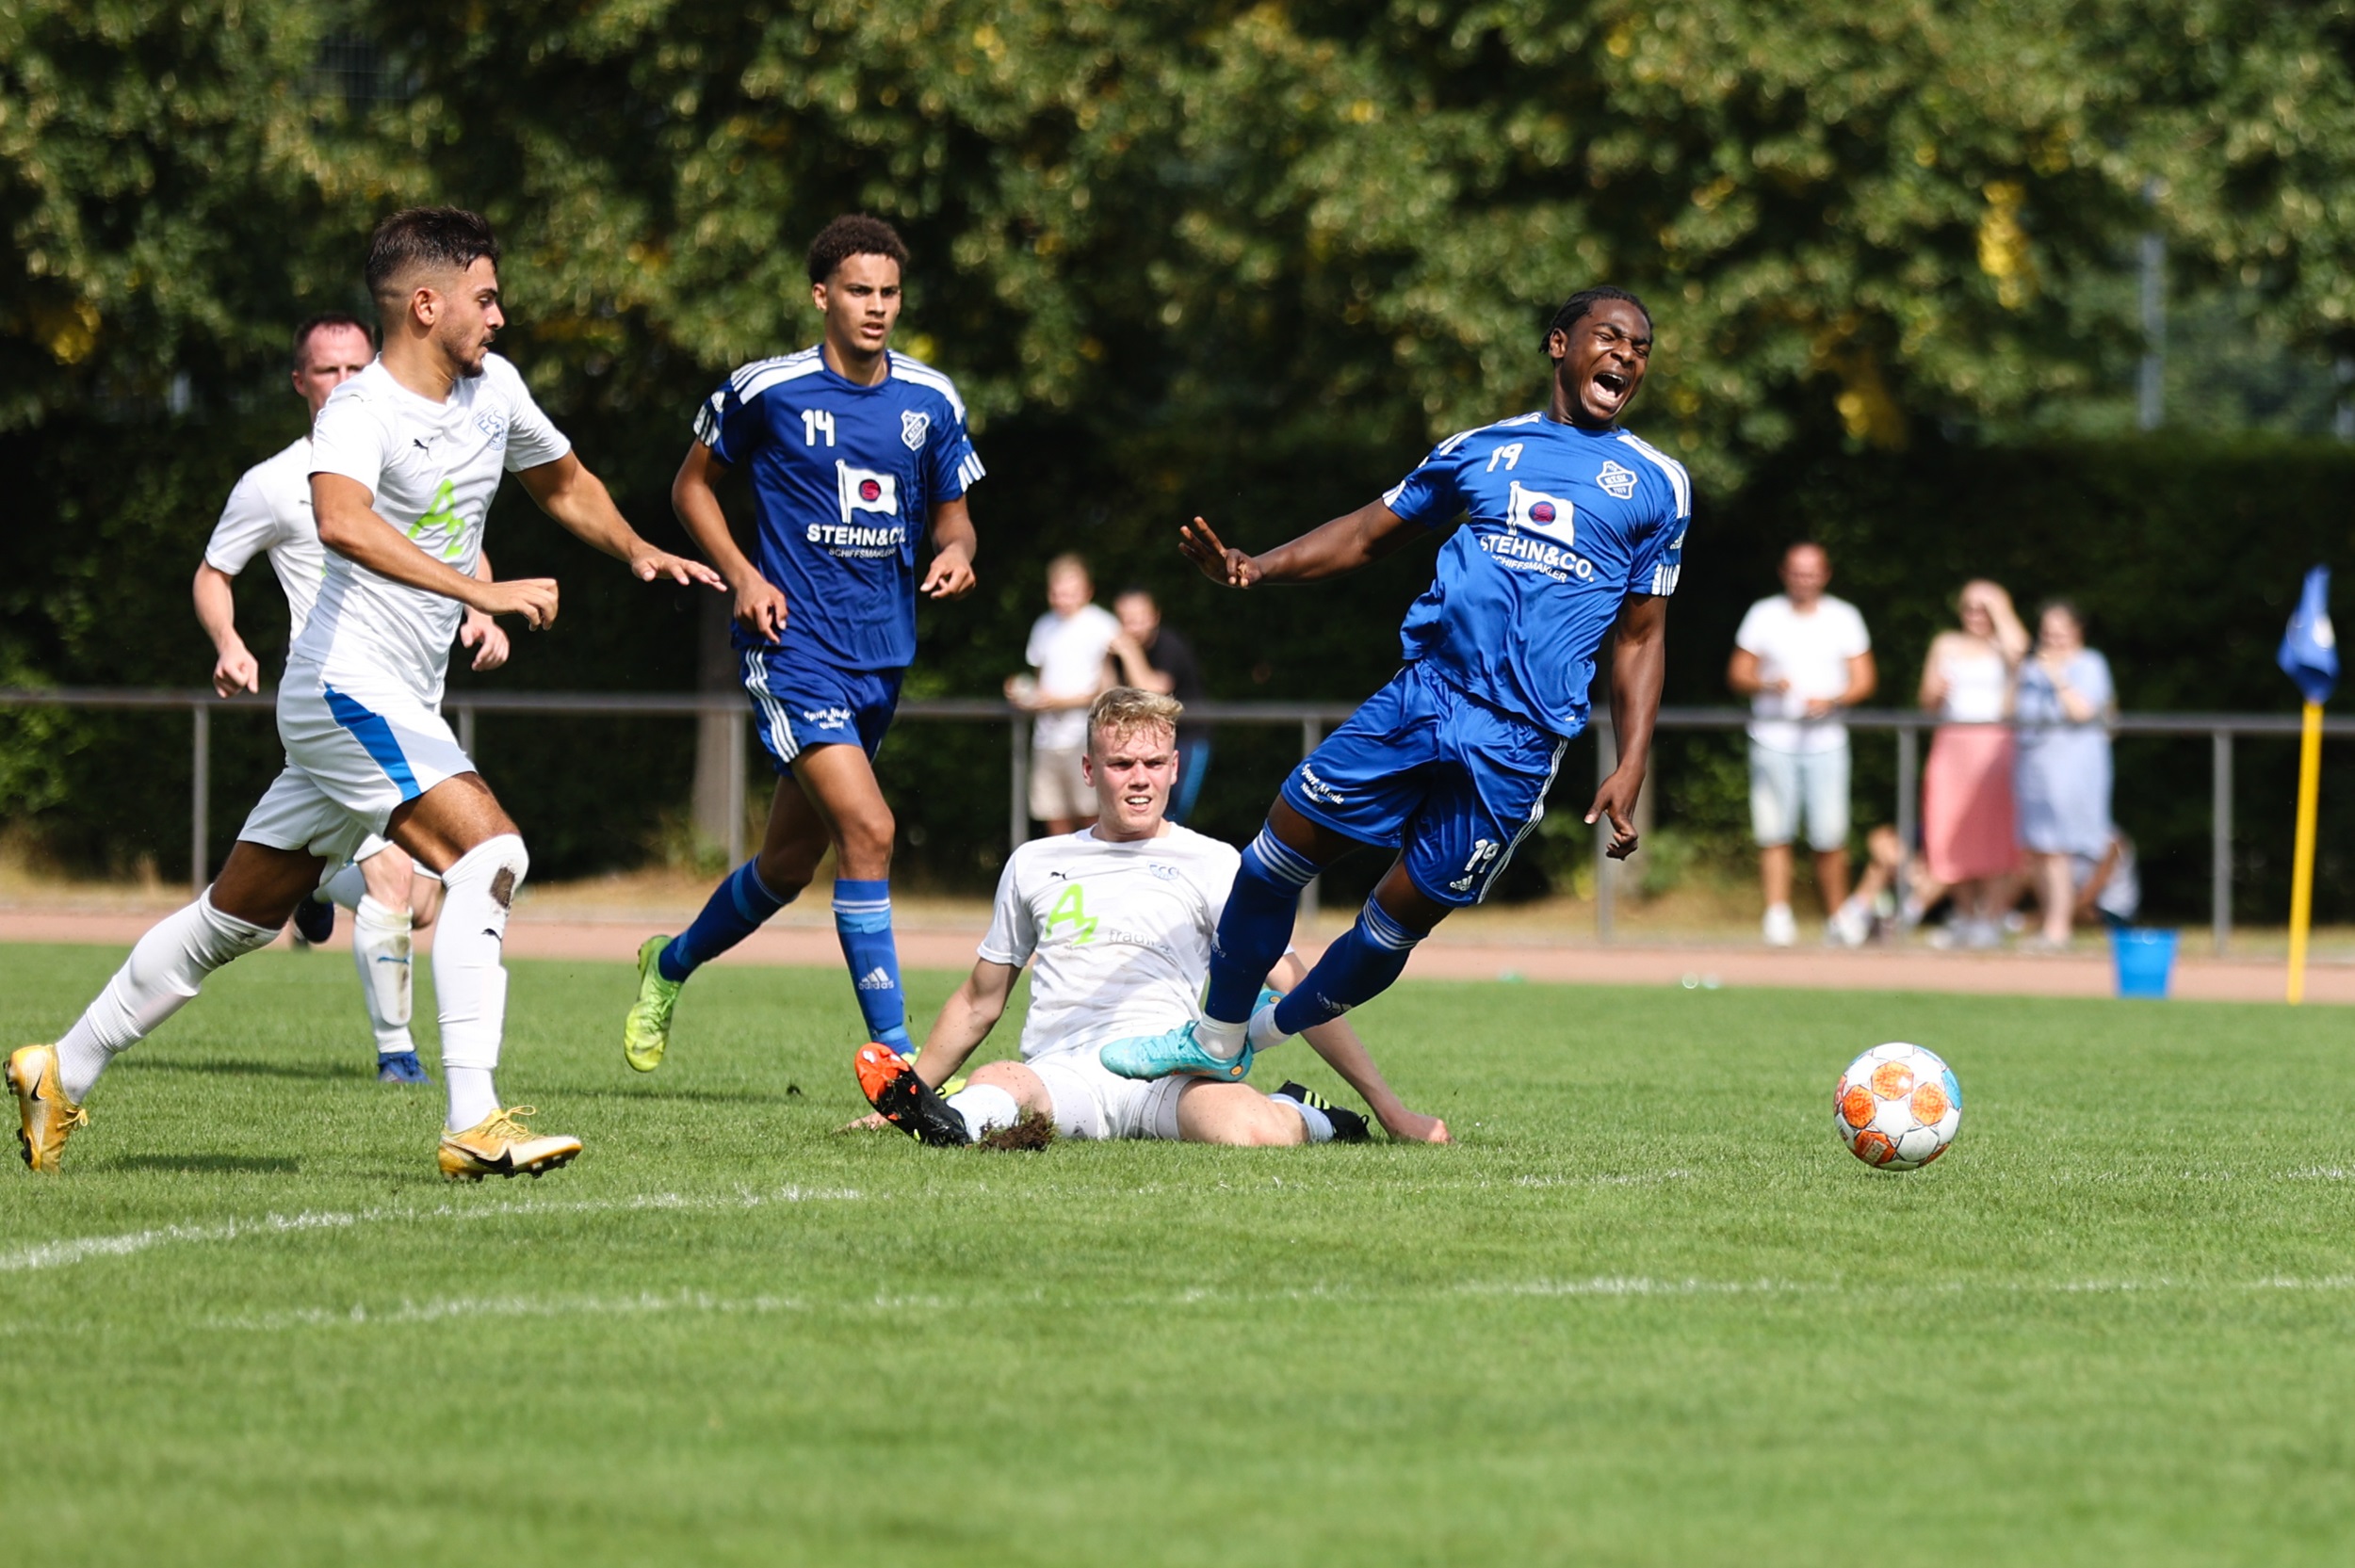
column 864, row 490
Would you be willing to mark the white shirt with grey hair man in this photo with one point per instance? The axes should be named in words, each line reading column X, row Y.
column 1801, row 656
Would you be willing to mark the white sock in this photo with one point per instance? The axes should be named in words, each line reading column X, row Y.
column 985, row 1106
column 1318, row 1125
column 1222, row 1039
column 346, row 886
column 472, row 1095
column 469, row 982
column 381, row 951
column 1261, row 1031
column 163, row 972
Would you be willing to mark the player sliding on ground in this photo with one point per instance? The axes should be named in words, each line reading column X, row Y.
column 405, row 458
column 1575, row 529
column 849, row 447
column 390, row 897
column 1115, row 921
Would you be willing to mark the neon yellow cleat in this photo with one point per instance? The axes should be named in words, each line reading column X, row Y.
column 501, row 1145
column 46, row 1117
column 646, row 1032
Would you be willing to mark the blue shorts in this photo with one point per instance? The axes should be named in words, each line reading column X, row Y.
column 1424, row 768
column 799, row 703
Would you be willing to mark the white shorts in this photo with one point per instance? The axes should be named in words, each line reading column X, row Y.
column 1057, row 789
column 1783, row 784
column 349, row 762
column 1094, row 1102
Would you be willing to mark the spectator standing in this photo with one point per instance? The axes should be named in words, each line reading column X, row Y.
column 1801, row 656
column 1148, row 655
column 1067, row 649
column 2065, row 698
column 1970, row 835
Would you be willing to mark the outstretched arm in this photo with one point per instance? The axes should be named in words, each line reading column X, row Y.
column 1356, row 539
column 1639, row 666
column 235, row 669
column 1342, row 1051
column 965, row 1020
column 349, row 524
column 478, row 631
column 578, row 499
column 950, row 575
column 760, row 607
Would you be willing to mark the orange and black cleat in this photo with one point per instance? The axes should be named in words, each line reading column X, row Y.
column 903, row 1098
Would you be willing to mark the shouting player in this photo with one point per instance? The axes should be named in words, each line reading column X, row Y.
column 851, row 450
column 269, row 513
column 405, row 458
column 1574, row 530
column 1115, row 923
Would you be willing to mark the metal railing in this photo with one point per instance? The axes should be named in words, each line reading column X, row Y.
column 1313, row 719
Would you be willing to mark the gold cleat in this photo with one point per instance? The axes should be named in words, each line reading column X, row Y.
column 501, row 1145
column 47, row 1118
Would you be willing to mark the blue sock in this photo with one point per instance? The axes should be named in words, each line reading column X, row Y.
column 1358, row 968
column 734, row 910
column 1258, row 922
column 862, row 918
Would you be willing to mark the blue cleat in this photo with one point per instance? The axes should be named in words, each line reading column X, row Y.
column 314, row 921
column 400, row 1067
column 1158, row 1056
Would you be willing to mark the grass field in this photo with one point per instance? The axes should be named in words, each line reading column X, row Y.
column 1647, row 1311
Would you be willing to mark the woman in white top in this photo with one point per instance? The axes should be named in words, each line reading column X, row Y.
column 1970, row 837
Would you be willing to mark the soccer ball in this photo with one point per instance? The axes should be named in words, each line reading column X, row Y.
column 1897, row 1107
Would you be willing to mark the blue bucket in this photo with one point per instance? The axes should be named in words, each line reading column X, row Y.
column 2145, row 960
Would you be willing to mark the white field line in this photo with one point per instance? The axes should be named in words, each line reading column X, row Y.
column 66, row 1253
column 696, row 1302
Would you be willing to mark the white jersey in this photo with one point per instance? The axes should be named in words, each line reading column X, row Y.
column 1120, row 933
column 270, row 513
column 432, row 469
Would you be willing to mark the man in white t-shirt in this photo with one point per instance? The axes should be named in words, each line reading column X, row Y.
column 1067, row 648
column 1800, row 657
column 405, row 458
column 269, row 513
column 1115, row 923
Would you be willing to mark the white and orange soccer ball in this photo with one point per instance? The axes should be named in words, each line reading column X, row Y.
column 1897, row 1107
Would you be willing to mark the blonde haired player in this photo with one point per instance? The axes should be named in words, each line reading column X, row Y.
column 269, row 513
column 1115, row 921
column 405, row 458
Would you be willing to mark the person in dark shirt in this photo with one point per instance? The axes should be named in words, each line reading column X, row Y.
column 1150, row 656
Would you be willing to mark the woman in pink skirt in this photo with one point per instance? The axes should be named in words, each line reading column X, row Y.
column 1969, row 833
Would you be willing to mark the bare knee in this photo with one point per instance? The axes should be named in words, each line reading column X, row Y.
column 1029, row 1089
column 864, row 843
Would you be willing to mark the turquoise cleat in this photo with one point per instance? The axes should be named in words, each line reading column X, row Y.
column 1159, row 1056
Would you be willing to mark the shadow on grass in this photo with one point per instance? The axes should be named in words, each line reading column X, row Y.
column 212, row 1165
column 246, row 1068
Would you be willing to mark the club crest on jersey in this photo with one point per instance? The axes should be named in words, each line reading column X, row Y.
column 864, row 490
column 1618, row 481
column 1541, row 513
column 913, row 428
column 490, row 423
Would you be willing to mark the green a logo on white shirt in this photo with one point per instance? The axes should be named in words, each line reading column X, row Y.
column 1071, row 906
column 443, row 515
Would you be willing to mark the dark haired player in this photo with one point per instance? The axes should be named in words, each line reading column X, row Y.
column 269, row 513
column 1575, row 530
column 851, row 450
column 405, row 458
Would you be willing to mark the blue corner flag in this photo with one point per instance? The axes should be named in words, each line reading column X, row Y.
column 2310, row 650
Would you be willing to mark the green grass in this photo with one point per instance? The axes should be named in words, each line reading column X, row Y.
column 1647, row 1311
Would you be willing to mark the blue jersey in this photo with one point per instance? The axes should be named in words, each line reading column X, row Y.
column 844, row 478
column 1564, row 524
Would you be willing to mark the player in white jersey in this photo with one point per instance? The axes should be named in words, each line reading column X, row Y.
column 1115, row 923
column 405, row 458
column 269, row 513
